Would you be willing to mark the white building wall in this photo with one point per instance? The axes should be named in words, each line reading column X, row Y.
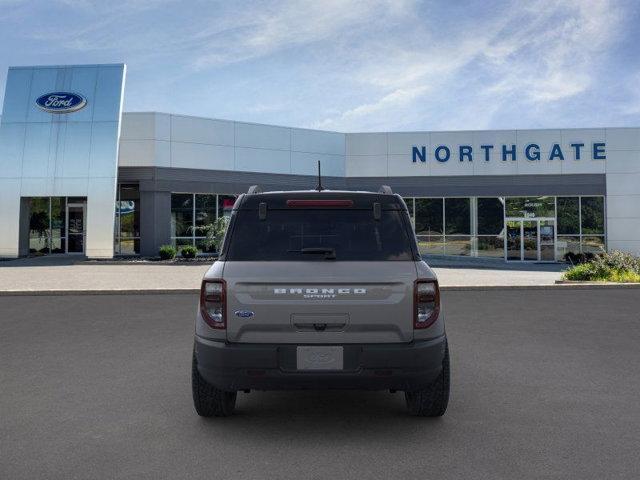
column 164, row 140
column 623, row 189
column 390, row 154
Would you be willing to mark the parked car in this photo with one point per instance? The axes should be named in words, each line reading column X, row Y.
column 320, row 290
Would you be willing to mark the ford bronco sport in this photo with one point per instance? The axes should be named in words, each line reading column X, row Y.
column 315, row 290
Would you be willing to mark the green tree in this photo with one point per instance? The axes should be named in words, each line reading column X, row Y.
column 214, row 233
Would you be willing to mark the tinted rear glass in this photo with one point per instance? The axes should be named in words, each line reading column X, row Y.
column 295, row 234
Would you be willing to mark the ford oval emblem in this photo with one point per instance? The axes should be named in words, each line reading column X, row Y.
column 61, row 102
column 244, row 313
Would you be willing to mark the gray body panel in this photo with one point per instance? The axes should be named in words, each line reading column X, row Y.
column 351, row 302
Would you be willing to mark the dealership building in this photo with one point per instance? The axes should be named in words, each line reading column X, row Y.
column 79, row 176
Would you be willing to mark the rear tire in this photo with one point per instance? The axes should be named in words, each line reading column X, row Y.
column 433, row 400
column 208, row 400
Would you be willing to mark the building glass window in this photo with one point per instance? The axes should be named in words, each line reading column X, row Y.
column 429, row 225
column 568, row 215
column 457, row 245
column 491, row 246
column 39, row 225
column 490, row 216
column 205, row 213
column 457, row 214
column 593, row 244
column 530, row 207
column 225, row 205
column 592, row 215
column 48, row 229
column 127, row 227
column 58, row 223
column 182, row 205
column 567, row 244
column 190, row 211
column 429, row 216
column 430, row 244
column 490, row 227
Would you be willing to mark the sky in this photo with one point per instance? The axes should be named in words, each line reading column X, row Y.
column 348, row 65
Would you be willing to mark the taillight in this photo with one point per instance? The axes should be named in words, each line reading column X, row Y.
column 213, row 303
column 426, row 305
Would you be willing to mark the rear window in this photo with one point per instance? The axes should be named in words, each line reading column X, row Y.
column 299, row 234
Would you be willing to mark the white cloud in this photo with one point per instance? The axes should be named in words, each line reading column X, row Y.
column 283, row 25
column 350, row 64
column 537, row 54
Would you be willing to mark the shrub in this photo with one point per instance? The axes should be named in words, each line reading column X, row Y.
column 616, row 260
column 167, row 252
column 607, row 267
column 583, row 271
column 578, row 258
column 189, row 251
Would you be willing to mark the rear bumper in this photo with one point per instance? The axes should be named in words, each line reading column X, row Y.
column 231, row 367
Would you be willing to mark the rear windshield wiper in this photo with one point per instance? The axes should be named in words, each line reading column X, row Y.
column 329, row 253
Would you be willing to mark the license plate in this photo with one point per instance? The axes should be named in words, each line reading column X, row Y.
column 320, row 358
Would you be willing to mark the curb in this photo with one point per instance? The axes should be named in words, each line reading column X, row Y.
column 559, row 285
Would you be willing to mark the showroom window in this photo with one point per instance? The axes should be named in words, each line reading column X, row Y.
column 442, row 225
column 568, row 225
column 592, row 218
column 127, row 220
column 457, row 219
column 475, row 226
column 191, row 211
column 490, row 240
column 47, row 225
column 581, row 225
column 429, row 225
column 56, row 225
column 530, row 207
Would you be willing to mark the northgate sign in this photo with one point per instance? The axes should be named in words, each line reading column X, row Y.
column 532, row 152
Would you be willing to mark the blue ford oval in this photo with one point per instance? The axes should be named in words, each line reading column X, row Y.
column 244, row 313
column 61, row 102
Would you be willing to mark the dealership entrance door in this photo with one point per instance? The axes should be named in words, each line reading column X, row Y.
column 76, row 220
column 56, row 225
column 530, row 239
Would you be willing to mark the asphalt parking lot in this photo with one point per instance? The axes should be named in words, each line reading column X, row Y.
column 545, row 384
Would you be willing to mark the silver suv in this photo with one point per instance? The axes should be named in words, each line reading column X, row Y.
column 320, row 290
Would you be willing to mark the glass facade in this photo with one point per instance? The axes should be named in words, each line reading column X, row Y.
column 540, row 228
column 190, row 211
column 530, row 207
column 56, row 225
column 581, row 223
column 490, row 227
column 127, row 227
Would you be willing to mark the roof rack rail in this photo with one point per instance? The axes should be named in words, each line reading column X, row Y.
column 386, row 190
column 254, row 189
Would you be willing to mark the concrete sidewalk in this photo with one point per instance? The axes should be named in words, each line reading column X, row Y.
column 68, row 274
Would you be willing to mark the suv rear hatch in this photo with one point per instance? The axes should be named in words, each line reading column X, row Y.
column 329, row 271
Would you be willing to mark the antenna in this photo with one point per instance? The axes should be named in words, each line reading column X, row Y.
column 319, row 187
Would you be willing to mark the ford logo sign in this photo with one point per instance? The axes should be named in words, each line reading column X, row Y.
column 61, row 102
column 243, row 313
